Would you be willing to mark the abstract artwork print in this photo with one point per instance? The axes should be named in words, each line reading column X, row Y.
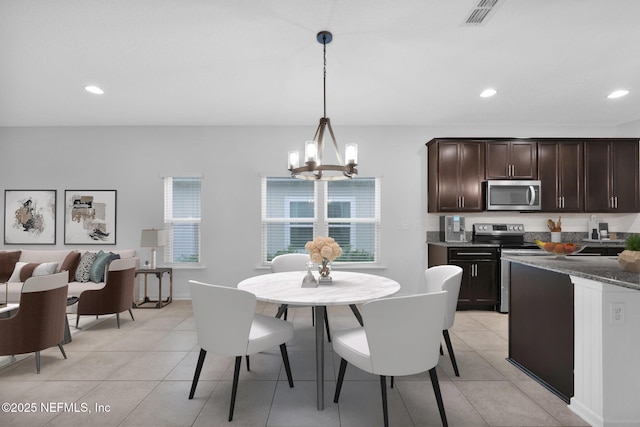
column 30, row 217
column 90, row 217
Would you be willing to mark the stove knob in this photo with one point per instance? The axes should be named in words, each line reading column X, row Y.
column 521, row 228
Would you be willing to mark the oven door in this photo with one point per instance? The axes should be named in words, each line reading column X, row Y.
column 513, row 195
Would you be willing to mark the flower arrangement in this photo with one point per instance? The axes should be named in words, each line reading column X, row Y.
column 323, row 248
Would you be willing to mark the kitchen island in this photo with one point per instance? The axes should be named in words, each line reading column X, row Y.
column 600, row 303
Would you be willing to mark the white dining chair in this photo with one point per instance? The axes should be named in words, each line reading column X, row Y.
column 401, row 336
column 446, row 278
column 295, row 262
column 227, row 324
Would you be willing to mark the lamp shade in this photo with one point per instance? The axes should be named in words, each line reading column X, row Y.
column 152, row 238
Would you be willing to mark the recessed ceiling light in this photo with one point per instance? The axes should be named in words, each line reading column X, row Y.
column 618, row 93
column 487, row 93
column 94, row 89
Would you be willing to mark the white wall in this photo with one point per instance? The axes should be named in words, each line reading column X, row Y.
column 132, row 161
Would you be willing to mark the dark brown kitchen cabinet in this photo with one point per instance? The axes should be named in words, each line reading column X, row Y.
column 611, row 176
column 560, row 169
column 511, row 160
column 479, row 287
column 456, row 171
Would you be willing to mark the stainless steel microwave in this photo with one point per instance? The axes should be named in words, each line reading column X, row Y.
column 513, row 195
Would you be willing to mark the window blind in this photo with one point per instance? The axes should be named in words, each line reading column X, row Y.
column 182, row 216
column 295, row 211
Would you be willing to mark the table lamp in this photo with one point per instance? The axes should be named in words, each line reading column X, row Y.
column 152, row 238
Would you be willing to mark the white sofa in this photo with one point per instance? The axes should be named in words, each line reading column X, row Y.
column 57, row 255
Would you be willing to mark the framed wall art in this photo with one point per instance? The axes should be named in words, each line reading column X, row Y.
column 30, row 217
column 90, row 217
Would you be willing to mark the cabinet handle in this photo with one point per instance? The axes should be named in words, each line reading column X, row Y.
column 616, row 200
column 474, row 253
column 462, row 198
column 562, row 202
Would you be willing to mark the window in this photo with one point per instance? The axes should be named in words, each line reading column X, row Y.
column 294, row 211
column 182, row 203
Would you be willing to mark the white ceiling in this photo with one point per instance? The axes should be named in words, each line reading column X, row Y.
column 257, row 62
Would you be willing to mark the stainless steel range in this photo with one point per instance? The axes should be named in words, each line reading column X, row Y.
column 510, row 238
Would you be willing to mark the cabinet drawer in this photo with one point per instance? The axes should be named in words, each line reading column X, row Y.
column 473, row 253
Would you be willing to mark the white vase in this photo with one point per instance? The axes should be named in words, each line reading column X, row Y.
column 556, row 236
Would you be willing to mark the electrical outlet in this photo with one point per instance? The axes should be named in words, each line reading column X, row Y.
column 617, row 313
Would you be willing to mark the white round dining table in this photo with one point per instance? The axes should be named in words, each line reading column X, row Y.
column 347, row 288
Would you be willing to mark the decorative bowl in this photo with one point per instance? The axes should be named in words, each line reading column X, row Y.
column 560, row 249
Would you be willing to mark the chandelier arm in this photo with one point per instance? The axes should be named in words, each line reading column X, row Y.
column 335, row 144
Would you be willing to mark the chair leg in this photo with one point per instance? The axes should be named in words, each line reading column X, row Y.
column 281, row 310
column 118, row 319
column 343, row 368
column 447, row 340
column 326, row 325
column 356, row 313
column 286, row 313
column 38, row 361
column 436, row 390
column 131, row 313
column 441, row 352
column 77, row 320
column 385, row 410
column 62, row 350
column 196, row 376
column 313, row 316
column 234, row 389
column 248, row 366
column 392, row 377
column 287, row 366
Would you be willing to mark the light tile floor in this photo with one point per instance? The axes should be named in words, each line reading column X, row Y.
column 140, row 375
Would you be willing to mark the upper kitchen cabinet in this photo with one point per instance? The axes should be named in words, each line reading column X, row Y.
column 611, row 176
column 511, row 160
column 456, row 172
column 560, row 169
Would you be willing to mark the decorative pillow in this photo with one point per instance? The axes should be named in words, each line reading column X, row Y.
column 70, row 264
column 84, row 267
column 96, row 273
column 8, row 262
column 24, row 270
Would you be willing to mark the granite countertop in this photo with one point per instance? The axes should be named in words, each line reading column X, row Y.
column 603, row 269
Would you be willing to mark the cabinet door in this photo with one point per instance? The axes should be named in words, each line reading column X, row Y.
column 549, row 176
column 456, row 172
column 624, row 176
column 597, row 172
column 465, row 297
column 471, row 175
column 448, row 199
column 523, row 160
column 498, row 163
column 611, row 176
column 571, row 176
column 560, row 171
column 511, row 160
column 485, row 283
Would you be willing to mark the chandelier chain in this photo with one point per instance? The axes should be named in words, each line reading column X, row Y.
column 324, row 74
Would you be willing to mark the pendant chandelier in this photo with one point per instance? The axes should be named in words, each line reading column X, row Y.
column 314, row 168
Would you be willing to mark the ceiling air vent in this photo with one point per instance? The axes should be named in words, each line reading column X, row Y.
column 480, row 14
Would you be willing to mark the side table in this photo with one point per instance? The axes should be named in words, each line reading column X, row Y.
column 158, row 272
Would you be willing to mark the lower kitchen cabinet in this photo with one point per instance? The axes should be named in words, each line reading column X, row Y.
column 480, row 286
